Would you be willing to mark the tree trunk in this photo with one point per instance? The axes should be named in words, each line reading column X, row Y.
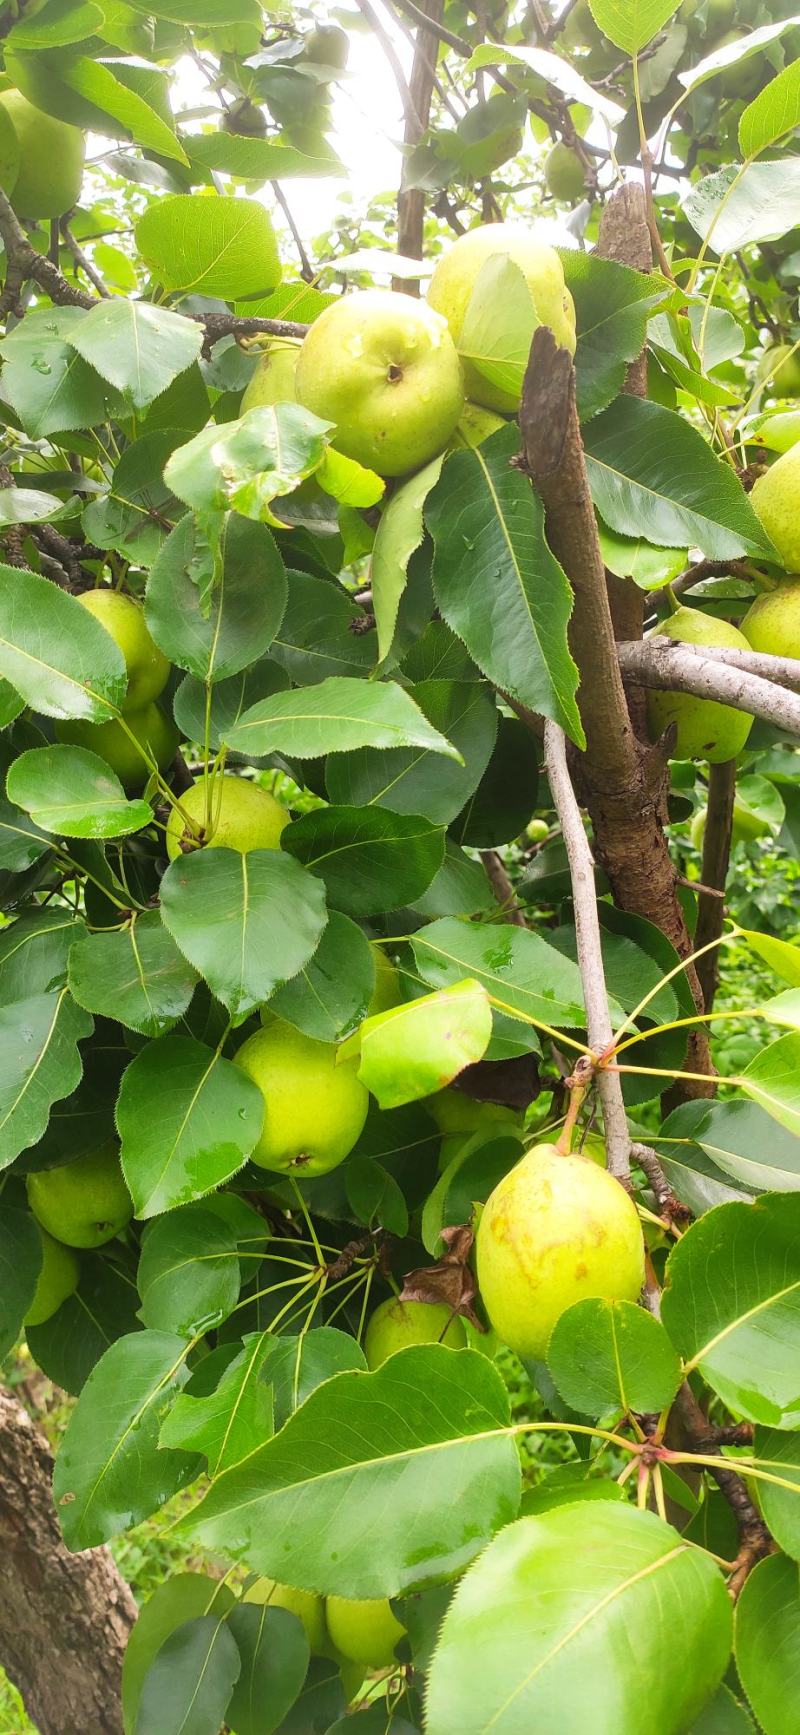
column 411, row 200
column 64, row 1618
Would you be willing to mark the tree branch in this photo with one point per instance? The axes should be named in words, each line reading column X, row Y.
column 716, row 855
column 670, row 667
column 502, row 887
column 219, row 325
column 668, row 1203
column 376, row 24
column 411, row 200
column 25, row 265
column 754, row 1538
column 590, row 957
column 82, row 259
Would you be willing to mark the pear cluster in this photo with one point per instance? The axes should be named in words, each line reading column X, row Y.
column 363, row 1632
column 394, row 373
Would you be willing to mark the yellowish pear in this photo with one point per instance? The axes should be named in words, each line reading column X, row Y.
column 772, row 623
column 776, row 499
column 706, row 729
column 242, row 816
column 124, row 621
column 112, row 742
column 273, row 381
column 48, row 180
column 310, row 1609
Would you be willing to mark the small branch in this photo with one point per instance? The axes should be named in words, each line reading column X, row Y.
column 695, row 574
column 307, row 271
column 754, row 1538
column 219, row 325
column 25, row 265
column 502, row 887
column 590, row 957
column 376, row 24
column 411, row 200
column 669, row 1205
column 716, row 856
column 82, row 259
column 670, row 667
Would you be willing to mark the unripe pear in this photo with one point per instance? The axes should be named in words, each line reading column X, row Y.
column 365, row 1631
column 48, row 180
column 555, row 1230
column 746, row 826
column 245, row 120
column 772, row 623
column 57, row 1279
column 310, row 1609
column 273, row 380
column 384, row 369
column 243, row 817
column 706, row 729
column 84, row 1203
column 112, row 743
column 315, row 1109
column 455, row 1112
column 784, row 381
column 564, row 174
column 776, row 499
column 327, row 45
column 386, row 992
column 537, row 830
column 395, row 1324
column 475, row 425
column 454, row 279
column 123, row 619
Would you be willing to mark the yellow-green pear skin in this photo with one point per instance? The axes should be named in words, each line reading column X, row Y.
column 243, row 817
column 772, row 623
column 383, row 367
column 84, row 1203
column 455, row 1112
column 476, row 425
column 57, row 1280
column 123, row 619
column 776, row 499
column 564, row 174
column 310, row 1609
column 51, row 153
column 746, row 826
column 706, row 730
column 454, row 279
column 111, row 742
column 386, row 992
column 555, row 1230
column 365, row 1631
column 273, row 381
column 782, row 363
column 395, row 1324
column 315, row 1108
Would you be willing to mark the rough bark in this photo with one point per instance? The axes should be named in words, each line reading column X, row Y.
column 64, row 1618
column 411, row 200
column 714, row 873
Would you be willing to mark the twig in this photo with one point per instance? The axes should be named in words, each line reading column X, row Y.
column 590, row 957
column 24, row 264
column 754, row 1538
column 82, row 259
column 307, row 271
column 501, row 886
column 411, row 200
column 716, row 856
column 219, row 325
column 669, row 1205
column 376, row 24
column 670, row 667
column 693, row 575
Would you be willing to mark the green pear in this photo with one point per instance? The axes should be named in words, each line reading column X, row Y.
column 772, row 623
column 244, row 120
column 776, row 499
column 475, row 426
column 84, row 1203
column 454, row 279
column 455, row 1112
column 310, row 1609
column 327, row 45
column 124, row 621
column 564, row 174
column 386, row 992
column 242, row 816
column 112, row 742
column 273, row 380
column 315, row 1109
column 48, row 180
column 395, row 1324
column 365, row 1631
column 57, row 1280
column 555, row 1230
column 384, row 369
column 537, row 830
column 706, row 729
column 784, row 381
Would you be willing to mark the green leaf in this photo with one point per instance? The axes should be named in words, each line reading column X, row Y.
column 459, row 888
column 336, row 716
column 213, row 611
column 505, row 798
column 229, row 1423
column 206, row 14
column 110, row 98
column 573, row 1619
column 499, row 323
column 274, row 1654
column 39, row 1064
column 28, row 506
column 420, row 1047
column 209, row 246
column 410, row 780
column 188, row 1687
column 421, row 1449
column 744, row 1143
column 102, row 1309
column 653, row 475
column 515, row 966
column 180, row 1598
column 768, row 1642
column 400, row 531
column 20, row 1265
column 209, row 1120
column 497, row 584
column 761, row 207
column 135, row 974
column 135, row 515
column 247, row 464
column 295, row 1366
column 34, row 951
column 59, row 23
column 560, row 73
column 138, row 348
column 773, row 1080
column 109, row 1473
column 317, row 636
column 247, row 922
column 329, row 996
column 50, row 386
column 254, row 159
column 732, row 1305
column 632, row 557
column 612, row 304
column 612, row 1358
column 75, row 793
column 631, row 24
column 370, row 860
column 189, row 1274
column 229, row 699
column 54, row 652
column 780, row 1454
column 723, row 1715
column 782, row 956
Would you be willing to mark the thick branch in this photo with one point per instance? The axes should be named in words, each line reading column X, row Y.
column 716, row 855
column 411, row 200
column 219, row 325
column 671, row 667
column 781, row 671
column 590, row 956
column 24, row 264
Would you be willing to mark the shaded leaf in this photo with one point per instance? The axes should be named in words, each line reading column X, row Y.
column 135, row 974
column 20, row 1264
column 274, row 1655
column 180, row 1598
column 768, row 1642
column 370, row 860
column 39, row 1064
column 188, row 1272
column 209, row 1120
column 329, row 996
column 188, row 1687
